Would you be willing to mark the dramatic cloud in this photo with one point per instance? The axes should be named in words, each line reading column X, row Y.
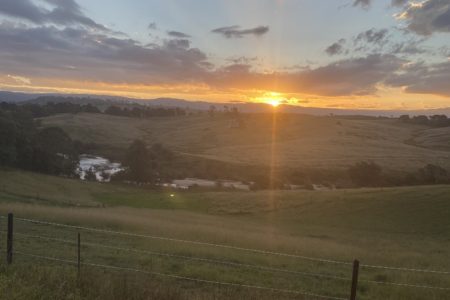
column 336, row 48
column 420, row 78
column 237, row 32
column 64, row 12
column 80, row 54
column 177, row 34
column 54, row 40
column 427, row 17
column 356, row 76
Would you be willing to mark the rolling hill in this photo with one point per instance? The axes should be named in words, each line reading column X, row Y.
column 300, row 140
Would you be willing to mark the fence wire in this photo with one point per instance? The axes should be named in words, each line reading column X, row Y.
column 259, row 251
column 406, row 285
column 200, row 259
column 221, row 262
column 173, row 276
column 232, row 264
column 404, row 269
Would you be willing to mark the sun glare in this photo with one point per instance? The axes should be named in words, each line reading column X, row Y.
column 272, row 98
column 274, row 102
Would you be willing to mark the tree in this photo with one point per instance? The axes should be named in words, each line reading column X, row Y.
column 421, row 120
column 54, row 152
column 365, row 174
column 433, row 174
column 212, row 110
column 89, row 108
column 404, row 118
column 439, row 121
column 8, row 133
column 140, row 162
column 90, row 175
column 114, row 110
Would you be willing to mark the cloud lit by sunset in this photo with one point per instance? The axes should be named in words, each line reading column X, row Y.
column 365, row 54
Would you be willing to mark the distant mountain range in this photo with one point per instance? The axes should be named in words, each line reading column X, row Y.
column 246, row 107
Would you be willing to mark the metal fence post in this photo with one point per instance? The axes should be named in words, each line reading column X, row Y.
column 354, row 279
column 79, row 254
column 9, row 240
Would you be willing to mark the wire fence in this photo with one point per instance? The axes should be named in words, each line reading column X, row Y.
column 259, row 251
column 350, row 282
column 182, row 277
column 191, row 258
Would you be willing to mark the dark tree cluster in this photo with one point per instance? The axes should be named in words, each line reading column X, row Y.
column 50, row 108
column 369, row 174
column 23, row 145
column 429, row 174
column 80, row 105
column 145, row 164
column 144, row 111
column 365, row 173
column 434, row 120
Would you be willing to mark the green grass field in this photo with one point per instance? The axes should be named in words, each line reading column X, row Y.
column 301, row 141
column 402, row 227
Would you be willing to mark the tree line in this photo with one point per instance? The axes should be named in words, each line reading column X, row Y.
column 434, row 120
column 24, row 145
column 52, row 108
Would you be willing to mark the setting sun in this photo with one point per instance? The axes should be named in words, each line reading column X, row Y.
column 272, row 98
column 274, row 102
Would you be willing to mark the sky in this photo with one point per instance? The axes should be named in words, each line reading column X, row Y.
column 371, row 54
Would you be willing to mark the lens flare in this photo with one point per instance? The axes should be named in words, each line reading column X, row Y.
column 274, row 102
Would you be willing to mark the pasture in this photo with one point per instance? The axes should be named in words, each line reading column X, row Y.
column 299, row 140
column 402, row 227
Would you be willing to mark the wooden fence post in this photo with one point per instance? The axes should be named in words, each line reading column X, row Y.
column 79, row 254
column 9, row 240
column 354, row 279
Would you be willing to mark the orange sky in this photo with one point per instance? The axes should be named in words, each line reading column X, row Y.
column 387, row 98
column 385, row 54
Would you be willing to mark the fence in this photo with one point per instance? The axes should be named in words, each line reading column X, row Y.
column 351, row 281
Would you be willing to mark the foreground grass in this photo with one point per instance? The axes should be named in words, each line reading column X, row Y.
column 406, row 227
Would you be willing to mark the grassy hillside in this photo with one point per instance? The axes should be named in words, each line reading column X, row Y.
column 406, row 227
column 299, row 141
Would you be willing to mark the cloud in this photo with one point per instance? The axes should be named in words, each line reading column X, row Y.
column 427, row 17
column 410, row 47
column 63, row 12
column 81, row 54
column 178, row 43
column 423, row 79
column 399, row 2
column 178, row 34
column 367, row 3
column 362, row 3
column 371, row 41
column 423, row 18
column 355, row 76
column 236, row 31
column 19, row 79
column 336, row 48
column 372, row 36
column 152, row 26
